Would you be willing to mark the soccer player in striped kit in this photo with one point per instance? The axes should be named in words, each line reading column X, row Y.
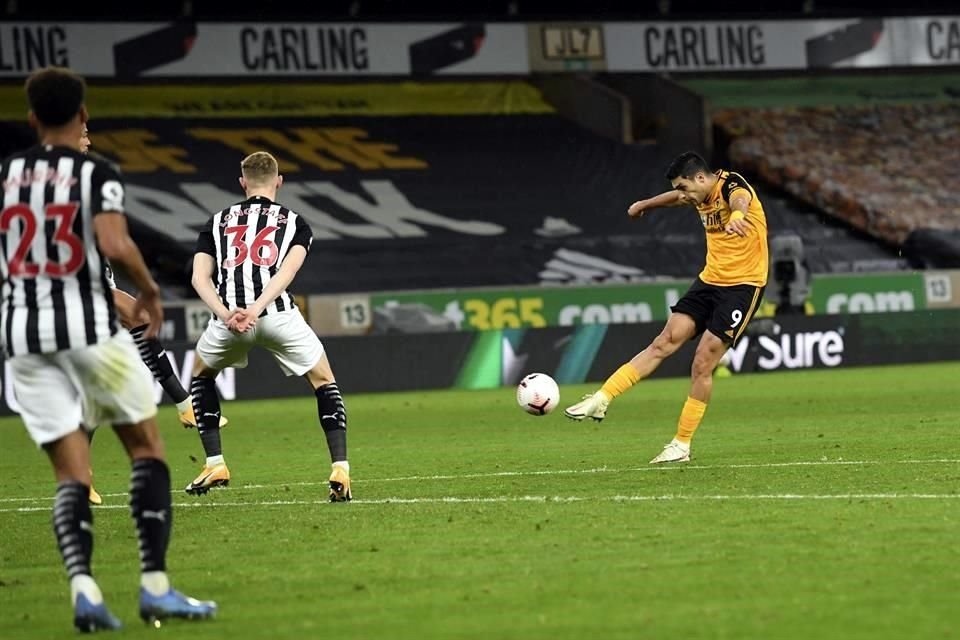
column 151, row 350
column 247, row 256
column 62, row 217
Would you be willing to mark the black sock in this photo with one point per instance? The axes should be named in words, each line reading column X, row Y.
column 73, row 527
column 333, row 419
column 150, row 508
column 153, row 355
column 206, row 407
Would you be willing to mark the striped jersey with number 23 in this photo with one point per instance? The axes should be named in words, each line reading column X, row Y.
column 249, row 241
column 55, row 293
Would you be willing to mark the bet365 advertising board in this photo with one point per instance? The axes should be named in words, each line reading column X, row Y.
column 482, row 309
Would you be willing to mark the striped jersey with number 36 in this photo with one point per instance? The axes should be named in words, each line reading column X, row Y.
column 55, row 295
column 249, row 242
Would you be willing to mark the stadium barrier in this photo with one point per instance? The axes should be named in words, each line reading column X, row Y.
column 490, row 359
column 411, row 312
column 933, row 248
column 533, row 307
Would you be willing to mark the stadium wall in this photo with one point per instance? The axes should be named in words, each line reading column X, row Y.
column 490, row 359
column 665, row 110
column 592, row 105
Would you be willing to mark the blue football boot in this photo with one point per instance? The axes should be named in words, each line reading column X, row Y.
column 174, row 604
column 88, row 617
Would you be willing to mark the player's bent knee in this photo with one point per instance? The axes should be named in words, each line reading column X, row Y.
column 124, row 303
column 201, row 369
column 664, row 344
column 319, row 377
column 132, row 322
column 321, row 374
column 126, row 320
column 70, row 457
column 141, row 440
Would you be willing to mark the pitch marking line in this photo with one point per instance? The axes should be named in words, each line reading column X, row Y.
column 551, row 472
column 546, row 499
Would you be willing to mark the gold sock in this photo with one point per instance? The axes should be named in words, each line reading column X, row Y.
column 621, row 380
column 690, row 418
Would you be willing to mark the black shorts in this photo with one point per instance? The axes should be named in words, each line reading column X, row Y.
column 723, row 311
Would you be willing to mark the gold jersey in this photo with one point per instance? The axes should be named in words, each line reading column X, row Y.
column 732, row 259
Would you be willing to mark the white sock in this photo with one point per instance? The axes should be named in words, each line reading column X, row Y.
column 214, row 460
column 185, row 404
column 87, row 586
column 155, row 582
column 342, row 463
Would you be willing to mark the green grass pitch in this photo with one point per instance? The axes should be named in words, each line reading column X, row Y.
column 818, row 505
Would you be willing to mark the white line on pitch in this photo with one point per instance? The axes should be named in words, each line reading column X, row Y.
column 649, row 468
column 547, row 499
column 557, row 472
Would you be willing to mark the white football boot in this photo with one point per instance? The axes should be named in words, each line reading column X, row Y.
column 676, row 451
column 593, row 405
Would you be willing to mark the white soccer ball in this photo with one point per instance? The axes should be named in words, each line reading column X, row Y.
column 538, row 394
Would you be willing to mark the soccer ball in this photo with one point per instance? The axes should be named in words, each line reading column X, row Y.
column 538, row 394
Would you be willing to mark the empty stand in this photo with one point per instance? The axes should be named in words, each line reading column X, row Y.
column 884, row 169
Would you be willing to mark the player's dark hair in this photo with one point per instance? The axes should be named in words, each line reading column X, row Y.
column 687, row 165
column 55, row 95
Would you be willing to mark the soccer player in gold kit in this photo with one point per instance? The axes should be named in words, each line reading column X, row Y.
column 718, row 305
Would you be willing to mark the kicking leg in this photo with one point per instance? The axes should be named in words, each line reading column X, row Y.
column 155, row 357
column 679, row 329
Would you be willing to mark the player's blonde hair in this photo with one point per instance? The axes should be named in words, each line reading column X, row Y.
column 259, row 167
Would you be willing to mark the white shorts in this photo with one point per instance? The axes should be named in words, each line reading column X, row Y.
column 101, row 384
column 286, row 335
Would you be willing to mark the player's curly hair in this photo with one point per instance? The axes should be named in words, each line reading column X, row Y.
column 687, row 165
column 55, row 94
column 259, row 167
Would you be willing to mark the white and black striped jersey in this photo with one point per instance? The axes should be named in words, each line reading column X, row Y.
column 249, row 241
column 55, row 295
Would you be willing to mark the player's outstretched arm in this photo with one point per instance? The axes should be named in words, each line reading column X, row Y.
column 672, row 198
column 115, row 243
column 281, row 280
column 204, row 266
